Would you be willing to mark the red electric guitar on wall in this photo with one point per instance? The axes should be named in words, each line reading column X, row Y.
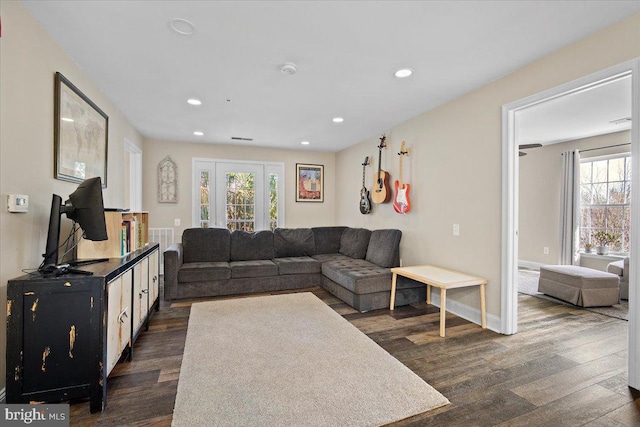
column 401, row 202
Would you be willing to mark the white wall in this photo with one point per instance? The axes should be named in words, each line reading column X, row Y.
column 540, row 189
column 456, row 160
column 29, row 59
column 297, row 214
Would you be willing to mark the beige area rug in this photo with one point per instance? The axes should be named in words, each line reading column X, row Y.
column 290, row 360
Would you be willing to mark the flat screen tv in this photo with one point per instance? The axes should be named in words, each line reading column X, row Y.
column 85, row 207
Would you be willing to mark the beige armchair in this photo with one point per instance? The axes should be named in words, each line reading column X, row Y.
column 621, row 268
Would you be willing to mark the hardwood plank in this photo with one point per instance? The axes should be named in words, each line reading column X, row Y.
column 575, row 409
column 627, row 415
column 572, row 380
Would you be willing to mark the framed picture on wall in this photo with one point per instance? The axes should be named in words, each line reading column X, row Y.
column 80, row 135
column 309, row 183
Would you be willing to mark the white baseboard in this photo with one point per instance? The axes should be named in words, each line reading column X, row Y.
column 531, row 265
column 466, row 312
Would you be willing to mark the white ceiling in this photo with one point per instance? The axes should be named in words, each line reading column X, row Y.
column 346, row 53
column 581, row 114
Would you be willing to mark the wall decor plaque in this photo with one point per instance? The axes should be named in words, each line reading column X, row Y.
column 167, row 181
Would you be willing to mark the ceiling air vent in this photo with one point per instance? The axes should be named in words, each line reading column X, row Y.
column 621, row 121
column 237, row 138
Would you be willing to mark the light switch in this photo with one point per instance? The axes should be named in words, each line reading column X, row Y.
column 176, row 222
column 456, row 229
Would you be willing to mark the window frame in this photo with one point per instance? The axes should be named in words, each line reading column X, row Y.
column 626, row 181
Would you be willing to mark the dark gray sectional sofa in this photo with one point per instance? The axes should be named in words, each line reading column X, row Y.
column 351, row 263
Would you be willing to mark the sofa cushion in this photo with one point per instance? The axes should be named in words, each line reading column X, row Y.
column 327, row 239
column 247, row 246
column 203, row 272
column 330, row 257
column 354, row 242
column 384, row 247
column 297, row 265
column 253, row 268
column 358, row 276
column 293, row 242
column 206, row 244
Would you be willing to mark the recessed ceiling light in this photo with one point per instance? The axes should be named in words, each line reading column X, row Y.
column 198, row 133
column 305, row 143
column 338, row 120
column 194, row 101
column 403, row 72
column 182, row 26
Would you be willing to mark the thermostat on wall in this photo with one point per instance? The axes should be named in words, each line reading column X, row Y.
column 18, row 203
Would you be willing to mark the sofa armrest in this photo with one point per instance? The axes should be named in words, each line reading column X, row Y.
column 173, row 259
column 625, row 270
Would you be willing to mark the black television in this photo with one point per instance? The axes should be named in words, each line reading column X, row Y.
column 86, row 208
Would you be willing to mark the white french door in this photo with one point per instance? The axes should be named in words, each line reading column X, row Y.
column 238, row 195
column 239, row 199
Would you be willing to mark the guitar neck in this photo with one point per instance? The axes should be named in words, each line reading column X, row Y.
column 402, row 153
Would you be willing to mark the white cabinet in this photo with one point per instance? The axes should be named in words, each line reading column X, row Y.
column 154, row 278
column 140, row 294
column 130, row 298
column 118, row 317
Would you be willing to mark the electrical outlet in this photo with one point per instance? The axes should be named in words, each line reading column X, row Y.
column 456, row 229
column 545, row 250
column 176, row 222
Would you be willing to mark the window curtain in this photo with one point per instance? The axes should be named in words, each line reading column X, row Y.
column 570, row 205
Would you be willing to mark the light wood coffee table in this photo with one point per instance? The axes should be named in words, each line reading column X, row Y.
column 443, row 279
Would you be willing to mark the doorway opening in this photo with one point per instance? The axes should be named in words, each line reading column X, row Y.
column 510, row 204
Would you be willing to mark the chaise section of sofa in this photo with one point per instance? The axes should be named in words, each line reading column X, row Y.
column 363, row 278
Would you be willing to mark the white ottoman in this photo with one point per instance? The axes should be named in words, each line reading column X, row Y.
column 581, row 286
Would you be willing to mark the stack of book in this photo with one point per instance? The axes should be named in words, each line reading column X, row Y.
column 130, row 236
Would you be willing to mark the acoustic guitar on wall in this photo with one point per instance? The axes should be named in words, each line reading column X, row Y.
column 365, row 201
column 401, row 202
column 381, row 191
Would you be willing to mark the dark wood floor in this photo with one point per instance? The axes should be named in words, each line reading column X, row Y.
column 565, row 367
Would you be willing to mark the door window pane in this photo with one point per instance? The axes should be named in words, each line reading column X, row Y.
column 273, row 201
column 205, row 187
column 240, row 197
